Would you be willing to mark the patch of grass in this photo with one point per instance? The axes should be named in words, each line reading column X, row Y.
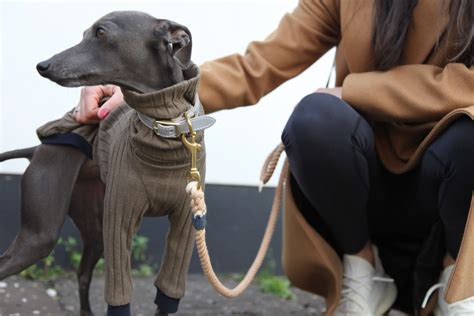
column 144, row 270
column 43, row 270
column 46, row 269
column 33, row 272
column 268, row 282
column 139, row 247
column 99, row 267
column 273, row 284
column 276, row 285
column 71, row 247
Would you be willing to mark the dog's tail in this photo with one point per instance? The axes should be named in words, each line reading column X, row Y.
column 19, row 153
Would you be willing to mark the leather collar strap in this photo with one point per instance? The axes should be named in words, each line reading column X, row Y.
column 174, row 128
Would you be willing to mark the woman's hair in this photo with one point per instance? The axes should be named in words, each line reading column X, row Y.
column 392, row 20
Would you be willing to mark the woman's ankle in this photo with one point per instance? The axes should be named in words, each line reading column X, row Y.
column 448, row 260
column 367, row 253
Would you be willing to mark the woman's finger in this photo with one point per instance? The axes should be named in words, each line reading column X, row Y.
column 115, row 100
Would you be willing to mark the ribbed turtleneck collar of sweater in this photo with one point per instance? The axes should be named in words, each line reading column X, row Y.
column 167, row 103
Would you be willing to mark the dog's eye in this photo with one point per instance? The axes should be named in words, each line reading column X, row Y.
column 100, row 32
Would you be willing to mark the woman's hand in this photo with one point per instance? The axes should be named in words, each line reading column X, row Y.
column 334, row 91
column 88, row 110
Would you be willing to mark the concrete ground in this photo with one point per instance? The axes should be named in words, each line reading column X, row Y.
column 21, row 297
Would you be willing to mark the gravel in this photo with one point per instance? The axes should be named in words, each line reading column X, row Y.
column 19, row 297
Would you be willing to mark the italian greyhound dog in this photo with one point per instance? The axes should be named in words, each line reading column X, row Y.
column 129, row 177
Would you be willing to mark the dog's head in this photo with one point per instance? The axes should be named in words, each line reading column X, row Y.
column 127, row 48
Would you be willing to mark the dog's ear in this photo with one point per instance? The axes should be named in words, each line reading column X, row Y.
column 179, row 42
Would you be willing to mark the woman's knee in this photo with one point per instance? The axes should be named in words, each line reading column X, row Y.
column 321, row 120
column 314, row 113
column 453, row 151
column 449, row 161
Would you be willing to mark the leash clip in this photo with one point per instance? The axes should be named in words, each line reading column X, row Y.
column 193, row 148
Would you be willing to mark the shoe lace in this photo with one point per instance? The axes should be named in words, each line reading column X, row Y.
column 351, row 290
column 430, row 292
column 455, row 309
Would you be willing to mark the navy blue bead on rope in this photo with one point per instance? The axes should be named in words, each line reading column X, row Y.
column 199, row 221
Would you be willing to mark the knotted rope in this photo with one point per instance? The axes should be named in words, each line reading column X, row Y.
column 199, row 210
column 270, row 164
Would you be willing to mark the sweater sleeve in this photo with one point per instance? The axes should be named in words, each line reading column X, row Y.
column 300, row 39
column 411, row 93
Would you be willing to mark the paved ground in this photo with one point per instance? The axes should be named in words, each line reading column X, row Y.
column 20, row 297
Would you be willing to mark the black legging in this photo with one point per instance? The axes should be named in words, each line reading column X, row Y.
column 344, row 192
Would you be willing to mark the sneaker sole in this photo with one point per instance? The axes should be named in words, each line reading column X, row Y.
column 387, row 301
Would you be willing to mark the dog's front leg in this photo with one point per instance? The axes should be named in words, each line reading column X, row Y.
column 124, row 206
column 171, row 279
column 46, row 188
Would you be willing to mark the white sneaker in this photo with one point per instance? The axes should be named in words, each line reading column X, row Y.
column 366, row 291
column 464, row 307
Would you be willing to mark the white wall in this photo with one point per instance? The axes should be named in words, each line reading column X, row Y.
column 237, row 145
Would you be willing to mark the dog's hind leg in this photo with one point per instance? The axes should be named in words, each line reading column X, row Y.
column 86, row 211
column 46, row 192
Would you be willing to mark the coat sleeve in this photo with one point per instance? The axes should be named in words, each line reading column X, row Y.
column 411, row 93
column 300, row 39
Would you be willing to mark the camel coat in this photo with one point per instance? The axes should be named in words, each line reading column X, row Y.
column 408, row 107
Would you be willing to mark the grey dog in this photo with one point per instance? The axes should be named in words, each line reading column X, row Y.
column 142, row 55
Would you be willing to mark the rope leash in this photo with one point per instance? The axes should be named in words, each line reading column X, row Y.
column 199, row 210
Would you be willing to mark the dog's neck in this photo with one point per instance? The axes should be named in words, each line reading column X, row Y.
column 169, row 102
column 164, row 104
column 152, row 82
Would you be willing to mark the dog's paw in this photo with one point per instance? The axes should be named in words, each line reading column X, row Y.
column 159, row 313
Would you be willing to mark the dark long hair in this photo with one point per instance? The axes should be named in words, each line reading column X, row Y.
column 392, row 20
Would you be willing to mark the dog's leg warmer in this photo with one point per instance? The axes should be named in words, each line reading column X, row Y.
column 171, row 279
column 123, row 215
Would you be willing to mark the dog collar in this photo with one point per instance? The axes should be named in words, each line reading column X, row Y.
column 178, row 126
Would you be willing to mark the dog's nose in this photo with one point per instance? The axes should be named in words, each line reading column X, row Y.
column 43, row 66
